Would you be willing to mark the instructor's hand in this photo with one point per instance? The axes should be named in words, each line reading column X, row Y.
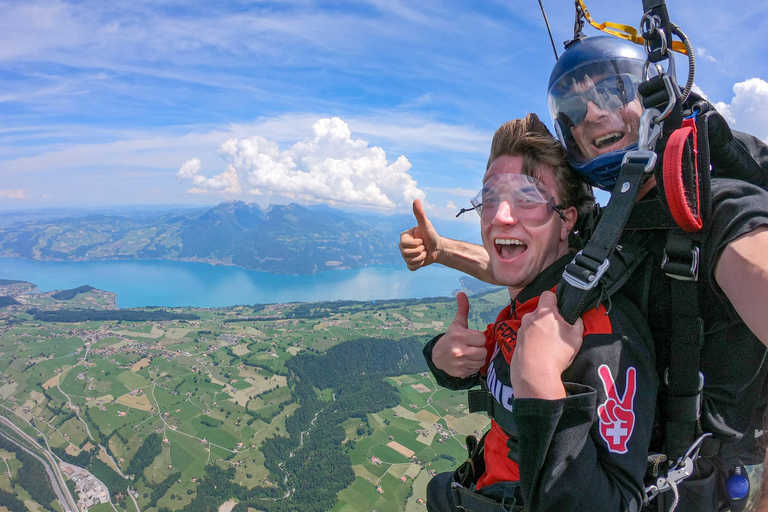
column 419, row 246
column 461, row 351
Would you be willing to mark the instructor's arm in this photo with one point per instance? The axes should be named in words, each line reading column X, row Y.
column 742, row 273
column 422, row 245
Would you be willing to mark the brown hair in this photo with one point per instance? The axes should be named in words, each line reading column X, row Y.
column 530, row 138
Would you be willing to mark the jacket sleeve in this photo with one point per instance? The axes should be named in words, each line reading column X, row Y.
column 587, row 452
column 443, row 379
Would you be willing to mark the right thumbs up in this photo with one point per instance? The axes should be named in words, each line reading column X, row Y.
column 462, row 310
column 420, row 245
column 461, row 351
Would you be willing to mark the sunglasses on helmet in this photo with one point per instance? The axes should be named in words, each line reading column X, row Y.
column 607, row 94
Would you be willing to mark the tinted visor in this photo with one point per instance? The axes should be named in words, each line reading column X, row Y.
column 606, row 87
column 608, row 94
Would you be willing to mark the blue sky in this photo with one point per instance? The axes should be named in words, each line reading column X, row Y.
column 363, row 104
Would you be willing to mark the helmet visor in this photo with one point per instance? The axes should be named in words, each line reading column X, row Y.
column 596, row 108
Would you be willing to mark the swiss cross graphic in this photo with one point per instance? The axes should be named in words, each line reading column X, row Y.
column 617, row 414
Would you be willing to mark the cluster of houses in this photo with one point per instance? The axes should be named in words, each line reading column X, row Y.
column 90, row 490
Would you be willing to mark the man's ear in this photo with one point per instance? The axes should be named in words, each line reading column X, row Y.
column 570, row 214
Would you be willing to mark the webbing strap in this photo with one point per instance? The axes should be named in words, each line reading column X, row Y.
column 657, row 51
column 481, row 400
column 584, row 272
column 684, row 379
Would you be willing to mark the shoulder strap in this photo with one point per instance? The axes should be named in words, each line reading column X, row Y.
column 575, row 291
column 683, row 379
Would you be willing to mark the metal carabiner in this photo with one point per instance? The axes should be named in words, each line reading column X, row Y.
column 683, row 468
column 649, row 130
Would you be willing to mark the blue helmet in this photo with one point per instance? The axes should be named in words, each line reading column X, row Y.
column 592, row 97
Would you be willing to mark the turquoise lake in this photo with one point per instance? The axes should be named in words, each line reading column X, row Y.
column 178, row 283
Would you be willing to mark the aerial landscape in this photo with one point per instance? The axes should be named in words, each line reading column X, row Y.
column 203, row 306
column 310, row 406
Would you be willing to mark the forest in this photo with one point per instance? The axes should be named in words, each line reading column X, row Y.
column 71, row 294
column 310, row 470
column 103, row 315
column 144, row 456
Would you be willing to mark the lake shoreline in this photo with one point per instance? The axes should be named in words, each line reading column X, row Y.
column 170, row 283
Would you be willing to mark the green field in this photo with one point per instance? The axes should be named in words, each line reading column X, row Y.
column 198, row 370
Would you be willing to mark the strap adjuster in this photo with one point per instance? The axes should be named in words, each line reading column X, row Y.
column 675, row 270
column 646, row 158
column 591, row 277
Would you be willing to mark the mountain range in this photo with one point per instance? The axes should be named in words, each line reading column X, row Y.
column 285, row 239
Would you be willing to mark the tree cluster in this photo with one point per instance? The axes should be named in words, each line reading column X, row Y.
column 105, row 315
column 159, row 490
column 144, row 456
column 71, row 294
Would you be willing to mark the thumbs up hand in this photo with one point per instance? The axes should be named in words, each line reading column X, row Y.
column 461, row 351
column 419, row 245
column 546, row 346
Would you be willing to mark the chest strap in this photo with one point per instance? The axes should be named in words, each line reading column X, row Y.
column 481, row 400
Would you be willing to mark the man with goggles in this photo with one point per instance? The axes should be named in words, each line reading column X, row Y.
column 732, row 279
column 571, row 407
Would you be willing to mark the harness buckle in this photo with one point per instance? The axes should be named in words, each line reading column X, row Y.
column 691, row 274
column 591, row 277
column 647, row 158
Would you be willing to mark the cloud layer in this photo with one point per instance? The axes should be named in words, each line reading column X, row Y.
column 328, row 167
column 748, row 111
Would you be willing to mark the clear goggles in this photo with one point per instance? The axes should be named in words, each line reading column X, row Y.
column 607, row 94
column 528, row 199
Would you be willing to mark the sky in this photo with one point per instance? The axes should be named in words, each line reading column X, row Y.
column 362, row 105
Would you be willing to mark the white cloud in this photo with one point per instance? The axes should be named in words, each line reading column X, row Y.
column 13, row 194
column 748, row 111
column 329, row 166
column 227, row 182
column 703, row 53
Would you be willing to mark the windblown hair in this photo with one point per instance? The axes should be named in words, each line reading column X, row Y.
column 530, row 138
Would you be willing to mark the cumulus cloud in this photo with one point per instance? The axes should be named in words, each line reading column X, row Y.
column 227, row 182
column 329, row 166
column 13, row 194
column 748, row 111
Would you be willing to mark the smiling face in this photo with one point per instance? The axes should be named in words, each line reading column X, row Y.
column 603, row 113
column 602, row 131
column 518, row 253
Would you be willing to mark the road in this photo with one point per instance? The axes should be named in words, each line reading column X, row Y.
column 57, row 481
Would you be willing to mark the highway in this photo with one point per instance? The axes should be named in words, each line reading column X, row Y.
column 50, row 465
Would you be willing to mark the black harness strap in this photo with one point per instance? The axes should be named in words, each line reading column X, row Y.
column 684, row 380
column 583, row 274
column 481, row 400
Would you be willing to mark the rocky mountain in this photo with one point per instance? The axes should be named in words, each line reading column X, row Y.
column 286, row 239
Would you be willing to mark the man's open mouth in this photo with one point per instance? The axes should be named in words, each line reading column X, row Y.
column 509, row 247
column 608, row 139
